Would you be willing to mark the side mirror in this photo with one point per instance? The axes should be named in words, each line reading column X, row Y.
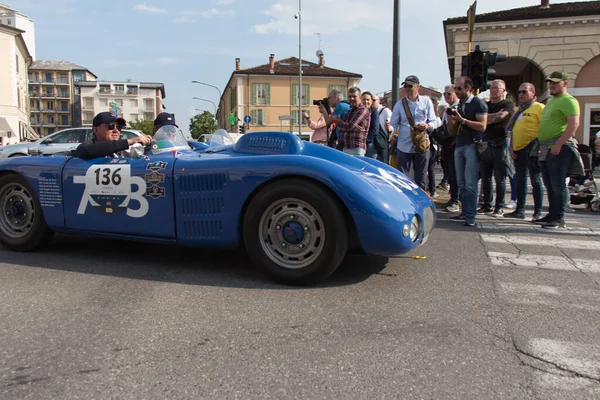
column 47, row 141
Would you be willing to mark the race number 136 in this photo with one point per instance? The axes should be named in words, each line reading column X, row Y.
column 109, row 179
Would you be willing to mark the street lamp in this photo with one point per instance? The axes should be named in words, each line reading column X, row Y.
column 300, row 68
column 213, row 86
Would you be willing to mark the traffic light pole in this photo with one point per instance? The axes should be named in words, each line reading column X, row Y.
column 396, row 53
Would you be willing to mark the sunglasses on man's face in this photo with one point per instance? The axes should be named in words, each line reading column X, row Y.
column 408, row 86
column 459, row 88
column 523, row 91
column 448, row 94
column 111, row 127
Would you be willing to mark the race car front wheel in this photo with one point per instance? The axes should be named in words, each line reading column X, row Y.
column 22, row 225
column 295, row 232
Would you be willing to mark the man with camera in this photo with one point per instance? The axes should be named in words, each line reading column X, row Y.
column 413, row 117
column 468, row 122
column 340, row 107
column 354, row 127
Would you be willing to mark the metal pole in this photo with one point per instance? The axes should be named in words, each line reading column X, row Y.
column 396, row 53
column 220, row 97
column 300, row 67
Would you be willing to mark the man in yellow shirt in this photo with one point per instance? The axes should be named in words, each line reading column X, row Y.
column 523, row 130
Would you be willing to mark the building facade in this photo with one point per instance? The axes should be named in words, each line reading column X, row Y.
column 14, row 100
column 537, row 41
column 52, row 95
column 269, row 93
column 130, row 100
column 11, row 17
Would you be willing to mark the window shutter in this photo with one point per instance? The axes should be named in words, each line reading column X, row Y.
column 330, row 89
column 344, row 91
column 268, row 93
column 263, row 119
column 254, row 90
column 303, row 120
column 255, row 117
column 307, row 95
column 294, row 116
column 294, row 95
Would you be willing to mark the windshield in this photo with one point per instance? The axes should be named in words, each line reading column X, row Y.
column 168, row 138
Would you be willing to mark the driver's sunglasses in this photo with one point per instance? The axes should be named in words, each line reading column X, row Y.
column 111, row 127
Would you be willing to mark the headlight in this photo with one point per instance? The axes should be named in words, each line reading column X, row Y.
column 428, row 220
column 415, row 228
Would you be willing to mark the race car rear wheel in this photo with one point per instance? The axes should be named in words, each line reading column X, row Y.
column 22, row 225
column 295, row 232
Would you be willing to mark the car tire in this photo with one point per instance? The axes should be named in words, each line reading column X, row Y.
column 22, row 223
column 295, row 232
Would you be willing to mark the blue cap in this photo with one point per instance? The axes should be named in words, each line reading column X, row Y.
column 164, row 118
column 107, row 117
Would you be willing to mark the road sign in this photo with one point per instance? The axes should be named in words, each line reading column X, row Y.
column 247, row 119
column 286, row 117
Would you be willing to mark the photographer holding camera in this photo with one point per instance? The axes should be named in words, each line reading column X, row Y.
column 467, row 123
column 320, row 129
column 340, row 107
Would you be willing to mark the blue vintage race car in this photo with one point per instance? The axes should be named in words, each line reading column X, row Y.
column 296, row 207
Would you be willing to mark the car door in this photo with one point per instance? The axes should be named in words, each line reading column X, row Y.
column 61, row 141
column 131, row 196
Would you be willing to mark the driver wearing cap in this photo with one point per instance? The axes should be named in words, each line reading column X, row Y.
column 162, row 119
column 107, row 140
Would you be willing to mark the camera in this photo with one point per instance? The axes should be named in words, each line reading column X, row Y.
column 453, row 110
column 323, row 101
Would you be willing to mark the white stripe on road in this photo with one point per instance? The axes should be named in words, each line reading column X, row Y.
column 552, row 385
column 544, row 262
column 580, row 358
column 532, row 228
column 551, row 297
column 542, row 241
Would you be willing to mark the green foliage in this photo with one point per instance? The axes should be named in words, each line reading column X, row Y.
column 144, row 126
column 201, row 124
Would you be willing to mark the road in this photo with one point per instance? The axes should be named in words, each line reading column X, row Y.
column 503, row 311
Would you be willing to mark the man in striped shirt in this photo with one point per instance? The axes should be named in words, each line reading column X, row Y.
column 355, row 125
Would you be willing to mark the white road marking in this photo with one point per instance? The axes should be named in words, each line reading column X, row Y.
column 542, row 241
column 532, row 228
column 544, row 262
column 583, row 359
column 551, row 297
column 553, row 383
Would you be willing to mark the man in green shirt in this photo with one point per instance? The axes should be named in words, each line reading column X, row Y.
column 560, row 120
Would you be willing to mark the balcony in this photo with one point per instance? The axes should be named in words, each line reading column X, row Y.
column 63, row 110
column 36, row 123
column 48, row 110
column 88, row 106
column 63, row 95
column 63, row 125
column 104, row 91
column 34, row 109
column 49, row 124
column 132, row 92
column 47, row 95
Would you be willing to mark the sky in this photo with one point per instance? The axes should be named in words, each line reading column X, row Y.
column 177, row 41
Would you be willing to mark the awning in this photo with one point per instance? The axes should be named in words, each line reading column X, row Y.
column 5, row 127
column 30, row 133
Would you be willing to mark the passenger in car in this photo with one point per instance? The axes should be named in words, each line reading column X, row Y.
column 107, row 140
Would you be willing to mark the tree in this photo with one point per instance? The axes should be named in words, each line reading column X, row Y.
column 201, row 124
column 145, row 126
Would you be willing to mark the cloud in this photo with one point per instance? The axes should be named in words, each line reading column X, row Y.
column 185, row 16
column 168, row 61
column 214, row 12
column 149, row 9
column 223, row 2
column 183, row 19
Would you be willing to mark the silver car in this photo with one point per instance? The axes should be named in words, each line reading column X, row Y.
column 65, row 140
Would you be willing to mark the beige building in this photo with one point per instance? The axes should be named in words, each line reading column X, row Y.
column 52, row 93
column 14, row 101
column 270, row 91
column 130, row 100
column 11, row 17
column 537, row 41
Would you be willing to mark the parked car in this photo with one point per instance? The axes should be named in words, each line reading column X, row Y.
column 60, row 141
column 296, row 207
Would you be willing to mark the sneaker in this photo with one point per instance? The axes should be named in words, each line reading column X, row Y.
column 485, row 210
column 511, row 205
column 536, row 217
column 453, row 208
column 516, row 214
column 499, row 213
column 458, row 218
column 443, row 186
column 468, row 223
column 545, row 219
column 554, row 224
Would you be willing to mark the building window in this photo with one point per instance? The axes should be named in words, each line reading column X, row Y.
column 48, row 91
column 148, row 105
column 50, row 131
column 49, row 77
column 119, row 102
column 594, row 126
column 305, row 95
column 119, row 89
column 133, row 102
column 50, row 119
column 233, row 99
column 296, row 113
column 340, row 88
column 259, row 117
column 8, row 22
column 89, row 102
column 133, row 117
column 261, row 94
column 17, row 62
column 77, row 90
column 64, row 106
column 63, row 92
column 104, row 102
column 63, row 78
column 133, row 90
column 65, row 120
column 104, row 89
column 49, row 105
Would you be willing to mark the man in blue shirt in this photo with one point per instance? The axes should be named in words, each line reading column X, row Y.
column 423, row 114
column 468, row 123
column 340, row 108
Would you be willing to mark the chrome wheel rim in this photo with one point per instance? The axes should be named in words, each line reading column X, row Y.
column 18, row 210
column 292, row 233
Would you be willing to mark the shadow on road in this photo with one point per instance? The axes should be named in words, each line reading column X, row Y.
column 170, row 263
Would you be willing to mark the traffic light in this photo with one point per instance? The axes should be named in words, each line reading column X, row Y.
column 491, row 59
column 242, row 128
column 477, row 68
column 464, row 66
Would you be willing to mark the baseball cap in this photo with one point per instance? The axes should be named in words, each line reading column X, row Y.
column 558, row 76
column 411, row 79
column 165, row 118
column 107, row 117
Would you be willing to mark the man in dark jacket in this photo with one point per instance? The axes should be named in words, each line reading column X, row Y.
column 107, row 140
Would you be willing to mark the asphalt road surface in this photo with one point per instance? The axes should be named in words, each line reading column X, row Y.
column 502, row 311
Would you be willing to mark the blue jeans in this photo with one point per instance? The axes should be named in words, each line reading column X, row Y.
column 554, row 172
column 466, row 161
column 420, row 164
column 373, row 152
column 523, row 164
column 357, row 151
column 497, row 168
